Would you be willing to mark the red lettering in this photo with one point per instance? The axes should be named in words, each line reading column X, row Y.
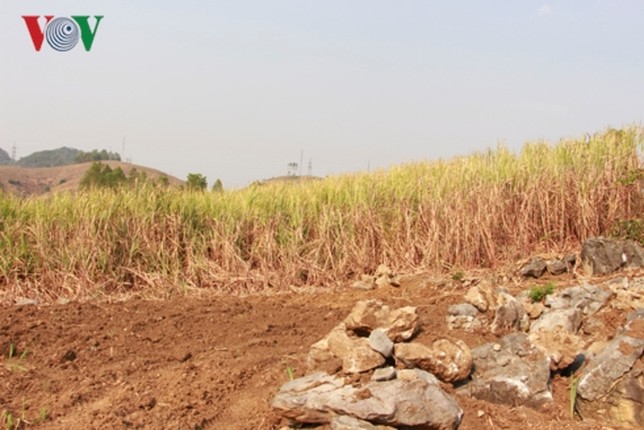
column 37, row 34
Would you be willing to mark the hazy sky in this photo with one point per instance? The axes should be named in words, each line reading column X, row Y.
column 237, row 89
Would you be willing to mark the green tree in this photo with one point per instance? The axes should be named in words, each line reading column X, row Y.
column 163, row 181
column 95, row 155
column 197, row 182
column 218, row 187
column 101, row 175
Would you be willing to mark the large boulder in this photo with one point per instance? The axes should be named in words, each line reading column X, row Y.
column 414, row 400
column 512, row 372
column 612, row 386
column 449, row 361
column 601, row 256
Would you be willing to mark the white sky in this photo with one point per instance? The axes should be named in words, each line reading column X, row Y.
column 237, row 89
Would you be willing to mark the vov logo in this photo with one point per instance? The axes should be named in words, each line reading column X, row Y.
column 62, row 33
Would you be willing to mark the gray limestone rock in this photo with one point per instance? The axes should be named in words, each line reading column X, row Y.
column 380, row 342
column 613, row 383
column 510, row 315
column 568, row 319
column 557, row 267
column 414, row 399
column 601, row 256
column 463, row 309
column 535, row 268
column 384, row 374
column 588, row 298
column 512, row 372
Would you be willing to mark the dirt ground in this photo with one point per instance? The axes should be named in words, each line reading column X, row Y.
column 208, row 363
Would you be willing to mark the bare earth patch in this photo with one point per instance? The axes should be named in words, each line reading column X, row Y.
column 210, row 363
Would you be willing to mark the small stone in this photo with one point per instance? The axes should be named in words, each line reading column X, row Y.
column 345, row 422
column 557, row 267
column 503, row 361
column 534, row 310
column 69, row 356
column 570, row 260
column 382, row 282
column 380, row 342
column 463, row 322
column 383, row 270
column 496, row 347
column 475, row 297
column 463, row 309
column 26, row 302
column 384, row 374
column 535, row 268
column 185, row 357
column 480, row 413
column 363, row 285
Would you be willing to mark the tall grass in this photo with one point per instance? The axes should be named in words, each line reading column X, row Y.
column 480, row 210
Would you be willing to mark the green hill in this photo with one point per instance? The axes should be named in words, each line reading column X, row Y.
column 50, row 158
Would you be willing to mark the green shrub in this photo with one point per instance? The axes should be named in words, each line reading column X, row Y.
column 538, row 292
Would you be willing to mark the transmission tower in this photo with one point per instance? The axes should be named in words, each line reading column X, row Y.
column 13, row 152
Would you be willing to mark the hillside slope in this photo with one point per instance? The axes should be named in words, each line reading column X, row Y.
column 4, row 157
column 41, row 180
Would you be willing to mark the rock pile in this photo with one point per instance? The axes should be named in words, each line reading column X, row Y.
column 370, row 373
column 371, row 341
column 383, row 277
column 599, row 256
column 559, row 336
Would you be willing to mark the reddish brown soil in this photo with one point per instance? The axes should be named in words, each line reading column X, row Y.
column 204, row 363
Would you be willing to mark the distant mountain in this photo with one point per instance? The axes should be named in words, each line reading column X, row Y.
column 27, row 181
column 4, row 157
column 50, row 158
